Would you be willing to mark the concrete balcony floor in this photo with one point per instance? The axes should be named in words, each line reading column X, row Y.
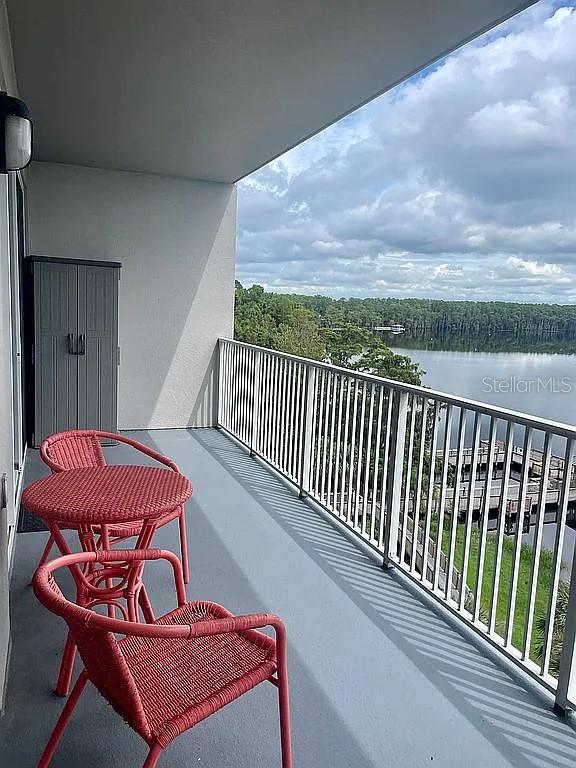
column 378, row 677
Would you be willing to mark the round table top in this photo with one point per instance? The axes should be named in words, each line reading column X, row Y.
column 110, row 494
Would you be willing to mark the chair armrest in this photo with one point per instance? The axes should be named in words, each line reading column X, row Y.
column 236, row 624
column 249, row 624
column 218, row 626
column 138, row 446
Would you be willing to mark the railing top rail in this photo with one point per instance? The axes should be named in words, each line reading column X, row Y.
column 525, row 419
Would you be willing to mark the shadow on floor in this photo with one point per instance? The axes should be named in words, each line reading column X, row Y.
column 243, row 735
column 513, row 718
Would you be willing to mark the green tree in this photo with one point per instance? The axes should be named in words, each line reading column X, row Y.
column 318, row 328
column 300, row 336
column 277, row 322
column 380, row 360
column 345, row 343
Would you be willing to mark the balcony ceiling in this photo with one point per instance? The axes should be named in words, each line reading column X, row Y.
column 214, row 90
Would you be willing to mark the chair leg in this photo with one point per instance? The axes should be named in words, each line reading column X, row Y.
column 146, row 606
column 285, row 729
column 46, row 551
column 66, row 667
column 153, row 755
column 63, row 720
column 184, row 546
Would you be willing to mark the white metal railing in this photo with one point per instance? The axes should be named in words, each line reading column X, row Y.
column 445, row 488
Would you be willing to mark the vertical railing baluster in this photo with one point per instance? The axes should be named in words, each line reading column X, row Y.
column 256, row 384
column 273, row 406
column 249, row 394
column 309, row 430
column 360, row 464
column 430, row 498
column 367, row 460
column 319, row 432
column 566, row 690
column 456, row 505
column 395, row 472
column 228, row 410
column 244, row 394
column 537, row 546
column 484, row 514
column 234, row 390
column 221, row 380
column 557, row 562
column 289, row 417
column 293, row 418
column 418, row 488
column 406, row 506
column 285, row 424
column 325, row 442
column 524, row 478
column 470, row 508
column 224, row 379
column 336, row 469
column 278, row 410
column 284, row 413
column 266, row 406
column 376, row 463
column 385, row 471
column 333, row 411
column 345, row 451
column 301, row 421
column 230, row 353
column 501, row 525
column 296, row 433
column 352, row 468
column 442, row 500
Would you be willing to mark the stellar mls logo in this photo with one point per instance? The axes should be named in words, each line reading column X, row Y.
column 518, row 385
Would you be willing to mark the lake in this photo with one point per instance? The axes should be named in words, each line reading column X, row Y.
column 538, row 384
column 534, row 383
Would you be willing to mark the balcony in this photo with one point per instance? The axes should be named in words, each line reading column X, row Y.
column 385, row 668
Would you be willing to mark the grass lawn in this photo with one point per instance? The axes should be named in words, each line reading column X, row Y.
column 522, row 594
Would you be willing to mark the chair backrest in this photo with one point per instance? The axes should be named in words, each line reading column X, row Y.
column 98, row 647
column 75, row 449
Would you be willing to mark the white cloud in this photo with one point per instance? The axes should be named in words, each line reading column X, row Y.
column 460, row 183
column 536, row 269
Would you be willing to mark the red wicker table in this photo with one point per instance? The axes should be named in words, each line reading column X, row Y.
column 89, row 500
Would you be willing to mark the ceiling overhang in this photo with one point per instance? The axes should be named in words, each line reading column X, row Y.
column 214, row 89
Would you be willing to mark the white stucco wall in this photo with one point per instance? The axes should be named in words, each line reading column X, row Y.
column 7, row 83
column 176, row 241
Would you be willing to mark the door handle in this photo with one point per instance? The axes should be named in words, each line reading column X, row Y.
column 81, row 349
column 70, row 342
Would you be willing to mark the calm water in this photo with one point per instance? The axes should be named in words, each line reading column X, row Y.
column 539, row 384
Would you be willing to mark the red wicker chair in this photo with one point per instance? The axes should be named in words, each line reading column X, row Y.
column 166, row 677
column 77, row 449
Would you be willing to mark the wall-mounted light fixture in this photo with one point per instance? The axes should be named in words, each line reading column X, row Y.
column 15, row 134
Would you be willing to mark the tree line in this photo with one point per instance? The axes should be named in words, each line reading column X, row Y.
column 436, row 317
column 286, row 323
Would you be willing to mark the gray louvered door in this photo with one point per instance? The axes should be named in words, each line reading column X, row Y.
column 75, row 347
column 56, row 328
column 98, row 339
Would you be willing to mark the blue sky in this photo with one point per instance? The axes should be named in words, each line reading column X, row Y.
column 458, row 184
